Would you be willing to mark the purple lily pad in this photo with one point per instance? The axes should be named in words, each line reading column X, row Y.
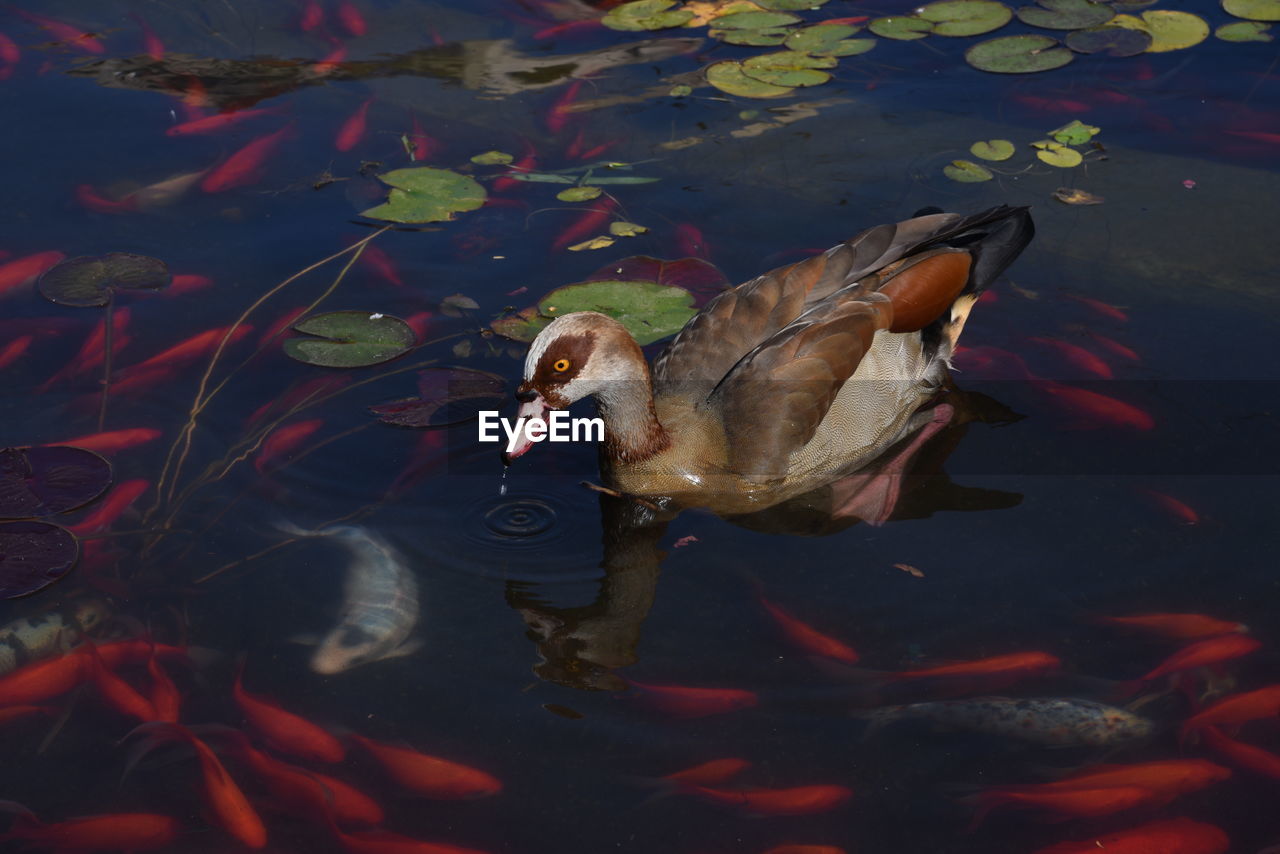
column 33, row 555
column 44, row 481
column 700, row 278
column 439, row 389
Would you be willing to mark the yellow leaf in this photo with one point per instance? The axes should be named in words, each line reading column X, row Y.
column 600, row 242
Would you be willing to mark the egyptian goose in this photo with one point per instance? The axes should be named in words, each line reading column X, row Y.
column 787, row 381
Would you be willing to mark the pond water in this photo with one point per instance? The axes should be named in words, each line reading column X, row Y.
column 541, row 601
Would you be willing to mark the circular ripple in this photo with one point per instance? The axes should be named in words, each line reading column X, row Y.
column 520, row 518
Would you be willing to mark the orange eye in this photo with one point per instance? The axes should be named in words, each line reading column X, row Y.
column 561, row 365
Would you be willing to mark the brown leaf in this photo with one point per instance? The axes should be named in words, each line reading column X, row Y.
column 908, row 568
column 1076, row 197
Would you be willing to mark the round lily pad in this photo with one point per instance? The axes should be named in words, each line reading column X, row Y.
column 48, row 480
column 820, row 38
column 1075, row 132
column 727, row 76
column 849, row 47
column 901, row 27
column 992, row 149
column 1018, row 54
column 492, row 158
column 793, row 5
column 350, row 339
column 1244, row 31
column 1169, row 29
column 965, row 17
column 579, row 194
column 789, row 68
column 426, row 194
column 646, row 15
column 755, row 38
column 33, row 555
column 1065, row 14
column 91, row 281
column 1253, row 10
column 755, row 20
column 439, row 392
column 1109, row 41
column 626, row 229
column 1057, row 154
column 649, row 311
column 966, row 172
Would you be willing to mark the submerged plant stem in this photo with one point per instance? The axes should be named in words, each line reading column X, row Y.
column 106, row 358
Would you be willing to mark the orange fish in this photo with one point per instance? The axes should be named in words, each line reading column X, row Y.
column 16, row 713
column 187, row 283
column 385, row 842
column 1204, row 653
column 14, row 350
column 1166, row 777
column 420, row 322
column 377, row 260
column 216, row 122
column 66, row 33
column 113, row 441
column 118, row 500
column 1257, row 136
column 91, row 353
column 1246, row 756
column 280, row 324
column 594, row 219
column 1115, row 348
column 164, row 695
column 527, row 163
column 1236, row 709
column 194, row 348
column 285, row 731
column 801, row 800
column 1013, row 664
column 1050, row 105
column 119, row 832
column 312, row 15
column 332, row 61
column 10, row 54
column 23, row 271
column 90, row 200
column 1077, row 356
column 348, row 804
column 1174, row 836
column 807, row 638
column 42, row 680
column 689, row 702
column 352, row 130
column 246, row 165
column 689, row 241
column 1069, row 803
column 1178, row 626
column 559, row 114
column 709, row 773
column 1180, row 510
column 117, row 654
column 138, row 381
column 592, row 153
column 283, row 440
column 1097, row 408
column 1105, row 309
column 117, row 693
column 351, row 19
column 430, row 776
column 151, row 43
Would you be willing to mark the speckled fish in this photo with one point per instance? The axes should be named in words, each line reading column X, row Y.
column 379, row 602
column 33, row 638
column 1054, row 722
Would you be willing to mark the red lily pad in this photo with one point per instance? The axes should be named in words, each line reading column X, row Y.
column 33, row 555
column 44, row 481
column 439, row 389
column 700, row 278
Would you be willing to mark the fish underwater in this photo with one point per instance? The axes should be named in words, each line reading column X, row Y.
column 33, row 638
column 1050, row 721
column 379, row 602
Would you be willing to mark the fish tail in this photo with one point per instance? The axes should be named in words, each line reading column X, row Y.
column 287, row 527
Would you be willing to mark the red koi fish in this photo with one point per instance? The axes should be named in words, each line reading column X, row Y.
column 194, row 348
column 118, row 500
column 1203, row 654
column 17, row 713
column 801, row 800
column 302, row 392
column 1168, row 778
column 1014, row 664
column 1257, row 135
column 352, row 130
column 14, row 350
column 594, row 219
column 119, row 832
column 377, row 260
column 285, row 731
column 1076, row 356
column 246, row 165
column 164, row 696
column 709, row 773
column 689, row 241
column 1180, row 510
column 113, row 441
column 558, row 115
column 65, row 33
column 527, row 163
column 1243, row 755
column 217, row 122
column 90, row 200
column 42, row 680
column 10, row 54
column 141, row 381
column 420, row 322
column 137, row 651
column 1177, row 626
column 187, row 283
column 1072, row 803
column 1104, row 309
column 807, row 638
column 151, row 43
column 351, row 19
column 1049, row 105
column 23, row 271
column 312, row 15
column 430, row 776
column 1097, row 410
column 115, row 692
column 689, row 702
column 1176, row 836
column 421, row 145
column 331, row 62
column 283, row 440
column 1115, row 348
column 1237, row 709
column 280, row 324
column 592, row 153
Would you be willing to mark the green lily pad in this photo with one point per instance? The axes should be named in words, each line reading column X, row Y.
column 646, row 15
column 48, row 480
column 626, row 229
column 1109, row 41
column 538, row 177
column 33, row 555
column 755, row 20
column 966, row 172
column 649, row 311
column 754, row 38
column 791, row 5
column 1253, row 10
column 523, row 325
column 493, row 158
column 680, row 91
column 579, row 194
column 1018, row 54
column 992, row 149
column 789, row 68
column 819, row 39
column 1065, row 14
column 849, row 47
column 1075, row 133
column 350, row 339
column 91, row 281
column 1122, row 6
column 728, row 77
column 1169, row 30
column 1244, row 31
column 965, row 17
column 901, row 27
column 1056, row 154
column 425, row 194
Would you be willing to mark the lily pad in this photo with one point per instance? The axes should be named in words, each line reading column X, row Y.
column 727, row 76
column 626, row 229
column 523, row 325
column 91, row 281
column 966, row 172
column 754, row 38
column 649, row 311
column 1018, row 54
column 789, row 68
column 1253, row 10
column 680, row 91
column 600, row 241
column 33, row 555
column 1075, row 132
column 646, row 15
column 849, row 47
column 1065, row 14
column 793, row 5
column 901, row 27
column 350, row 339
column 492, row 158
column 820, row 38
column 48, row 480
column 439, row 390
column 1169, row 30
column 965, row 17
column 426, row 194
column 1109, row 41
column 579, row 194
column 755, row 20
column 1244, row 31
column 1056, row 154
column 992, row 149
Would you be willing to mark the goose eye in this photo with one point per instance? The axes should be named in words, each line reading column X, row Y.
column 560, row 366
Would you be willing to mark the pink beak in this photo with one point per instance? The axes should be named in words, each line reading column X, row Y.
column 536, row 408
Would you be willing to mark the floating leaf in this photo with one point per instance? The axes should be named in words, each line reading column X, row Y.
column 1109, row 41
column 579, row 194
column 626, row 229
column 539, row 177
column 623, row 179
column 1056, row 154
column 680, row 91
column 753, row 38
column 706, row 11
column 701, row 278
column 350, row 339
column 523, row 325
column 820, row 38
column 1076, row 197
column 754, row 20
column 1253, row 10
column 492, row 158
column 789, row 68
column 965, row 17
column 1065, row 14
column 1018, row 54
column 992, row 149
column 849, row 47
column 1244, row 31
column 601, row 241
column 33, row 555
column 54, row 479
column 457, row 305
column 646, row 15
column 650, row 312
column 793, row 5
column 438, row 390
column 901, row 27
column 1169, row 30
column 91, row 281
column 966, row 172
column 1075, row 133
column 727, row 76
column 426, row 194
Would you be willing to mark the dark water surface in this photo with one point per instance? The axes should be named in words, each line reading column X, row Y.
column 1038, row 524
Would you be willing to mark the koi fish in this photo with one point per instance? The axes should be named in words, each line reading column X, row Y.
column 283, row 440
column 10, row 54
column 283, row 730
column 1049, row 105
column 216, row 122
column 689, row 702
column 801, row 800
column 118, row 832
column 1178, row 509
column 151, row 43
column 113, row 441
column 302, row 392
column 1236, row 709
column 807, row 638
column 1167, row 777
column 1203, row 653
column 1073, row 803
column 312, row 15
column 117, row 693
column 1257, row 135
column 1076, row 356
column 527, row 163
column 1102, row 308
column 386, row 842
column 421, row 146
column 379, row 603
column 709, row 773
column 90, row 354
column 595, row 218
column 17, row 713
column 331, row 62
column 137, row 381
column 568, row 28
column 194, row 348
column 352, row 130
column 39, row 636
column 689, row 241
column 1016, row 664
column 377, row 260
column 23, row 271
column 187, row 283
column 1055, row 722
column 1115, row 348
column 1178, row 626
column 90, row 200
column 558, row 115
column 1175, row 836
column 1098, row 409
column 15, row 349
column 137, row 651
column 42, row 680
column 246, row 165
column 420, row 322
column 165, row 698
column 120, row 499
column 430, row 776
column 351, row 19
column 1246, row 756
column 61, row 32
column 592, row 153
column 281, row 323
